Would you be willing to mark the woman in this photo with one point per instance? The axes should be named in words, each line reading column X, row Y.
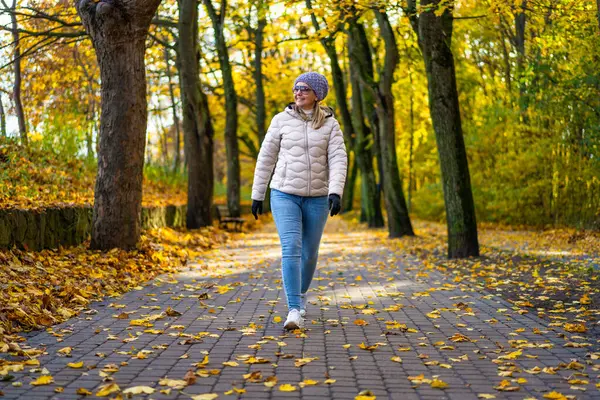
column 306, row 147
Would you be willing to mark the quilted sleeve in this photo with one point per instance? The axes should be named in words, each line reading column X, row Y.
column 267, row 157
column 338, row 161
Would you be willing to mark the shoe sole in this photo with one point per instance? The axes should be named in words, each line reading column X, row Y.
column 291, row 326
column 302, row 313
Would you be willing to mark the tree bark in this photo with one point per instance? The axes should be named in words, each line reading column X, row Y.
column 2, row 119
column 118, row 30
column 231, row 101
column 261, row 108
column 366, row 71
column 197, row 127
column 411, row 142
column 348, row 200
column 435, row 35
column 18, row 79
column 370, row 195
column 399, row 223
column 520, row 21
column 339, row 86
column 177, row 155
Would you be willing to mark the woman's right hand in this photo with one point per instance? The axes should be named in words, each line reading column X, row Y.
column 257, row 208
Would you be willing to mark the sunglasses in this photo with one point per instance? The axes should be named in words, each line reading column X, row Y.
column 303, row 89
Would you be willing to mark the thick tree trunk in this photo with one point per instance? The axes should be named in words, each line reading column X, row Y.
column 177, row 150
column 118, row 30
column 435, row 34
column 197, row 127
column 2, row 119
column 398, row 219
column 370, row 195
column 231, row 101
column 17, row 71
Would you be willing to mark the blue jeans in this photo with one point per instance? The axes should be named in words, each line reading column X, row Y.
column 300, row 222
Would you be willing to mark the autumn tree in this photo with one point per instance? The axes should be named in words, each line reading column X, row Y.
column 118, row 30
column 231, row 102
column 327, row 40
column 381, row 89
column 197, row 126
column 433, row 26
column 16, row 95
column 361, row 99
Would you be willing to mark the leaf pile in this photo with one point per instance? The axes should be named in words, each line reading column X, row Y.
column 39, row 289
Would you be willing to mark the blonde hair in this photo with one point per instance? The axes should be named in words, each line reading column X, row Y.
column 318, row 116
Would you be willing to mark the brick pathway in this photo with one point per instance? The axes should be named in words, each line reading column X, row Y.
column 224, row 326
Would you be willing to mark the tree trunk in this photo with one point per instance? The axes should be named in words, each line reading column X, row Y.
column 118, row 31
column 177, row 151
column 348, row 200
column 261, row 108
column 89, row 139
column 231, row 119
column 197, row 128
column 411, row 142
column 520, row 20
column 17, row 71
column 328, row 44
column 364, row 60
column 370, row 195
column 2, row 119
column 398, row 219
column 435, row 35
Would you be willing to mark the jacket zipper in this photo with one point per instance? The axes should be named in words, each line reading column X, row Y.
column 307, row 156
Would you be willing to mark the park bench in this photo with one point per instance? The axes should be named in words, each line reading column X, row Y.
column 225, row 218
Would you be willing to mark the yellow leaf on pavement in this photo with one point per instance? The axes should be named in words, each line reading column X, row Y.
column 76, row 365
column 107, row 390
column 231, row 364
column 43, row 380
column 139, row 390
column 286, row 387
column 438, row 384
column 555, row 396
column 205, row 396
column 271, row 381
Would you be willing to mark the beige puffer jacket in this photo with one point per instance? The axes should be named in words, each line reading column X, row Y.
column 307, row 161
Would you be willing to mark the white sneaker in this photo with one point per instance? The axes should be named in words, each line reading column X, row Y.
column 303, row 299
column 294, row 320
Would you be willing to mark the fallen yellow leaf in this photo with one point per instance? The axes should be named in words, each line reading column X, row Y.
column 139, row 390
column 43, row 380
column 107, row 390
column 286, row 387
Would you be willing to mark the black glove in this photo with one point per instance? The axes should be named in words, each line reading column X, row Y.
column 335, row 204
column 257, row 208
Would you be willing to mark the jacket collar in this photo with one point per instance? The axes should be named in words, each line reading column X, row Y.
column 290, row 110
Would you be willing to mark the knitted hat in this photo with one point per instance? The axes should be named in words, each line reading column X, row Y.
column 317, row 82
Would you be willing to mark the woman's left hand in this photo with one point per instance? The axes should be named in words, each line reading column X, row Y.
column 335, row 204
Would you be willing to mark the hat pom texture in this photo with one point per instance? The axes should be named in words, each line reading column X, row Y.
column 316, row 81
